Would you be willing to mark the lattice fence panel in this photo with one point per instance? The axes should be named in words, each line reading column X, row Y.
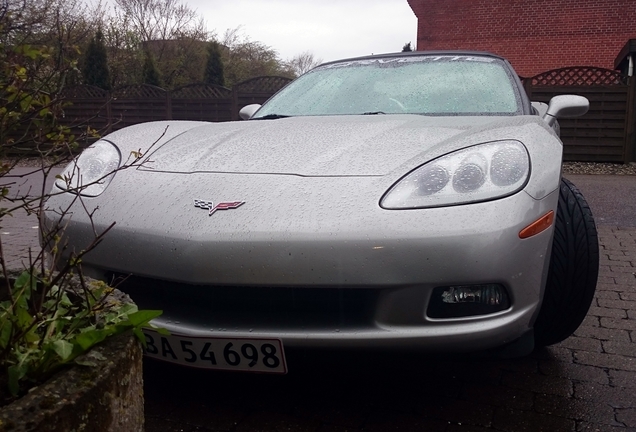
column 84, row 92
column 579, row 76
column 141, row 91
column 201, row 91
column 265, row 84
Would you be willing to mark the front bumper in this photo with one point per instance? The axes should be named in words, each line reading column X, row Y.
column 373, row 270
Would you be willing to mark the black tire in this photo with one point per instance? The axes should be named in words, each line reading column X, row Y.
column 573, row 269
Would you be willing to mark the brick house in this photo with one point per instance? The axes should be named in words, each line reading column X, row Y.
column 535, row 35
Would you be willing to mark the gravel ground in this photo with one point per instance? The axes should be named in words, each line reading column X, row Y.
column 599, row 168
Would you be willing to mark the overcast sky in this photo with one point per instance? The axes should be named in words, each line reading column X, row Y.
column 330, row 29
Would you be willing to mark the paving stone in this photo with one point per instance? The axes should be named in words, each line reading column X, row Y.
column 617, row 264
column 575, row 371
column 610, row 295
column 609, row 280
column 582, row 343
column 554, row 353
column 499, row 396
column 605, row 270
column 538, row 383
column 614, row 287
column 591, row 320
column 621, row 348
column 530, row 421
column 458, row 411
column 607, row 312
column 595, row 427
column 613, row 323
column 526, row 364
column 481, row 371
column 623, row 379
column 576, row 409
column 616, row 397
column 464, row 428
column 625, row 270
column 615, row 256
column 627, row 416
column 333, row 428
column 624, row 278
column 605, row 360
column 617, row 304
column 382, row 421
column 603, row 333
column 266, row 421
column 342, row 413
column 161, row 424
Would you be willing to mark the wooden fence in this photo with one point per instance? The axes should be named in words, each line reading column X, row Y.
column 606, row 132
column 109, row 111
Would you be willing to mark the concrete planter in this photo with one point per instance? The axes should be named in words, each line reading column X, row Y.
column 106, row 396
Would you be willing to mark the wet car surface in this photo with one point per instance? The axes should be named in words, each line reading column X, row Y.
column 585, row 383
column 396, row 201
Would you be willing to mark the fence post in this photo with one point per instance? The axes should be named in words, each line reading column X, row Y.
column 109, row 112
column 630, row 123
column 527, row 85
column 234, row 108
column 169, row 105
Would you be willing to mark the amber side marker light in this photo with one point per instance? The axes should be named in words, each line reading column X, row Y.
column 540, row 225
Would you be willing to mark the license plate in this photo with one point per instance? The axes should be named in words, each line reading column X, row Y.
column 254, row 355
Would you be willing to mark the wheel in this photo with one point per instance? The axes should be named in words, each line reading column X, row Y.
column 573, row 269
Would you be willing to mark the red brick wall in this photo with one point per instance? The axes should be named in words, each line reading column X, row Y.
column 535, row 35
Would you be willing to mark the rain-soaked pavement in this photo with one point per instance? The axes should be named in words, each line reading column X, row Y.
column 586, row 383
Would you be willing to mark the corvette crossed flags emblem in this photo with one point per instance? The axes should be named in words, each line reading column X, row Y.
column 209, row 205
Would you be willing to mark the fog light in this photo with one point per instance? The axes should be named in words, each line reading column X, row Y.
column 467, row 300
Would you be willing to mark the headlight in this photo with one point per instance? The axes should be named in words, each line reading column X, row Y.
column 90, row 173
column 479, row 173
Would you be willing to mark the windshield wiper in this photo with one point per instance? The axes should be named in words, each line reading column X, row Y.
column 373, row 113
column 271, row 117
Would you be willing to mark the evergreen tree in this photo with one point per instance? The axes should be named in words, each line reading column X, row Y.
column 95, row 69
column 213, row 73
column 150, row 73
column 407, row 47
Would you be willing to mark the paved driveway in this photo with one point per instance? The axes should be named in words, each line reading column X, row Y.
column 586, row 383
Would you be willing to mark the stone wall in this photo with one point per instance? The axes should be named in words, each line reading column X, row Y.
column 104, row 397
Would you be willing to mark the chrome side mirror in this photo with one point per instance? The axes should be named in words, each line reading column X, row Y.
column 566, row 106
column 248, row 111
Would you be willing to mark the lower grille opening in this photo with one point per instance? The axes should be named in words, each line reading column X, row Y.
column 248, row 307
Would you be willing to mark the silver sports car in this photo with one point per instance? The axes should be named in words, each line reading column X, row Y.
column 409, row 200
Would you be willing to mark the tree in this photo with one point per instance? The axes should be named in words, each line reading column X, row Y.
column 302, row 63
column 214, row 67
column 407, row 47
column 125, row 55
column 39, row 50
column 244, row 58
column 150, row 74
column 161, row 19
column 169, row 29
column 96, row 63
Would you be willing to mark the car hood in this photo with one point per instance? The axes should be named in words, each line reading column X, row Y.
column 315, row 146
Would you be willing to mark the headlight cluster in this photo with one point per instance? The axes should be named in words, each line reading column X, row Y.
column 90, row 173
column 478, row 173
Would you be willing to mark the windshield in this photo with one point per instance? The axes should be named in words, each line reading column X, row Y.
column 429, row 85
